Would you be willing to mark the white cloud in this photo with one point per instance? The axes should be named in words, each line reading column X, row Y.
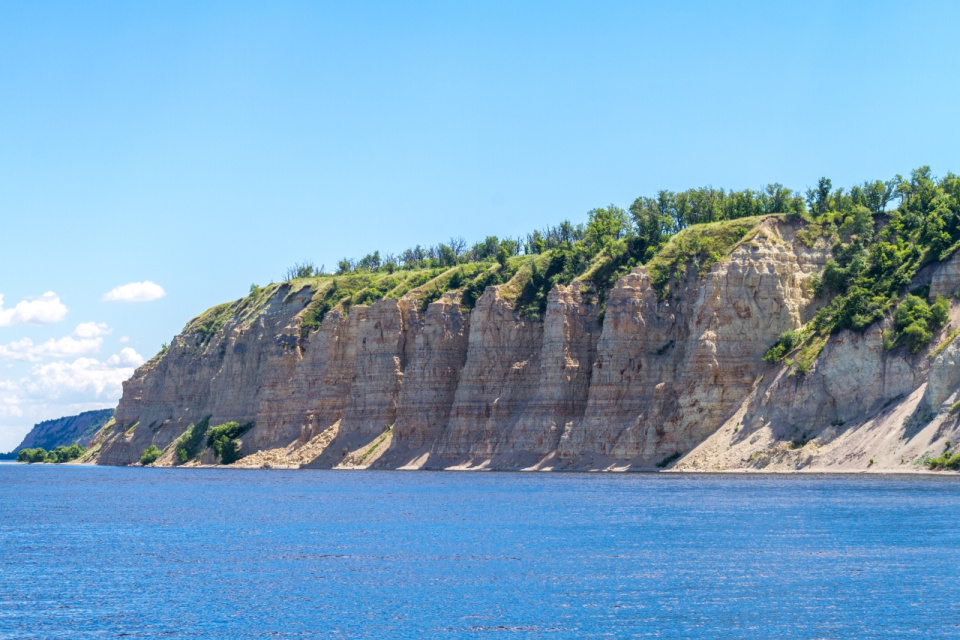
column 135, row 292
column 127, row 357
column 83, row 376
column 125, row 339
column 10, row 406
column 46, row 309
column 86, row 338
column 91, row 330
column 61, row 388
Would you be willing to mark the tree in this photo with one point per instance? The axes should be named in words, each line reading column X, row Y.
column 369, row 262
column 303, row 269
column 859, row 223
column 777, row 198
column 874, row 195
column 149, row 455
column 606, row 225
column 650, row 224
column 31, row 456
column 458, row 245
column 819, row 199
column 446, row 255
column 503, row 254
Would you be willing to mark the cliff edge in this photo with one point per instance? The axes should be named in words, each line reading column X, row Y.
column 656, row 373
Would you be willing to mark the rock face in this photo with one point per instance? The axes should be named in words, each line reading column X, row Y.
column 946, row 279
column 660, row 379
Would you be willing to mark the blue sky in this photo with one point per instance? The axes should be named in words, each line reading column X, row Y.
column 207, row 146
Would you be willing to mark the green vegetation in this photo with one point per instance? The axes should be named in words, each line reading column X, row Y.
column 496, row 274
column 876, row 250
column 57, row 456
column 915, row 321
column 223, row 440
column 188, row 444
column 376, row 443
column 149, row 455
column 346, row 291
column 670, row 459
column 31, row 456
column 947, row 460
column 612, row 242
column 784, row 345
column 698, row 247
column 946, row 342
column 206, row 325
column 877, row 253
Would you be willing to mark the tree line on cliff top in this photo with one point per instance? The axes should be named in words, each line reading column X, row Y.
column 649, row 222
column 880, row 234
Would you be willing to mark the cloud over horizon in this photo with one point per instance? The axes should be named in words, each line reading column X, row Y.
column 135, row 292
column 61, row 388
column 47, row 309
column 86, row 338
column 82, row 376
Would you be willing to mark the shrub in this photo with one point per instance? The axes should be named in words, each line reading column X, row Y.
column 223, row 440
column 149, row 455
column 915, row 321
column 784, row 345
column 56, row 456
column 948, row 460
column 32, row 455
column 65, row 454
column 188, row 445
column 673, row 457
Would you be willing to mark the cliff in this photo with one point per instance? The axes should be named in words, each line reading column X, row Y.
column 50, row 434
column 642, row 376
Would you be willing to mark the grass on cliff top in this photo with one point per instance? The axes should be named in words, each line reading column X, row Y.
column 340, row 293
column 877, row 254
column 208, row 323
column 699, row 247
column 524, row 280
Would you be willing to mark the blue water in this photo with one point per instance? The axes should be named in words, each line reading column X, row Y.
column 106, row 552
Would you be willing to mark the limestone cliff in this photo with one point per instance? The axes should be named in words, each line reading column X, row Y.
column 661, row 378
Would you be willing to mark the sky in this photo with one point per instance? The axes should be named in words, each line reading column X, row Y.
column 158, row 158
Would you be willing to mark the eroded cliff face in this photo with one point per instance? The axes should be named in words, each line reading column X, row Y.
column 676, row 378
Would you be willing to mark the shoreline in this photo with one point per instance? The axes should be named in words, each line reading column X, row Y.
column 665, row 472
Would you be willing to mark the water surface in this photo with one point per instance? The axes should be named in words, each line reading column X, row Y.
column 109, row 552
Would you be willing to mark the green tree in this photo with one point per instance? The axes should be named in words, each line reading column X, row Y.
column 606, row 225
column 31, row 456
column 223, row 440
column 859, row 223
column 819, row 198
column 149, row 455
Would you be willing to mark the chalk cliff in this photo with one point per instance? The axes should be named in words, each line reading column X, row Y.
column 656, row 380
